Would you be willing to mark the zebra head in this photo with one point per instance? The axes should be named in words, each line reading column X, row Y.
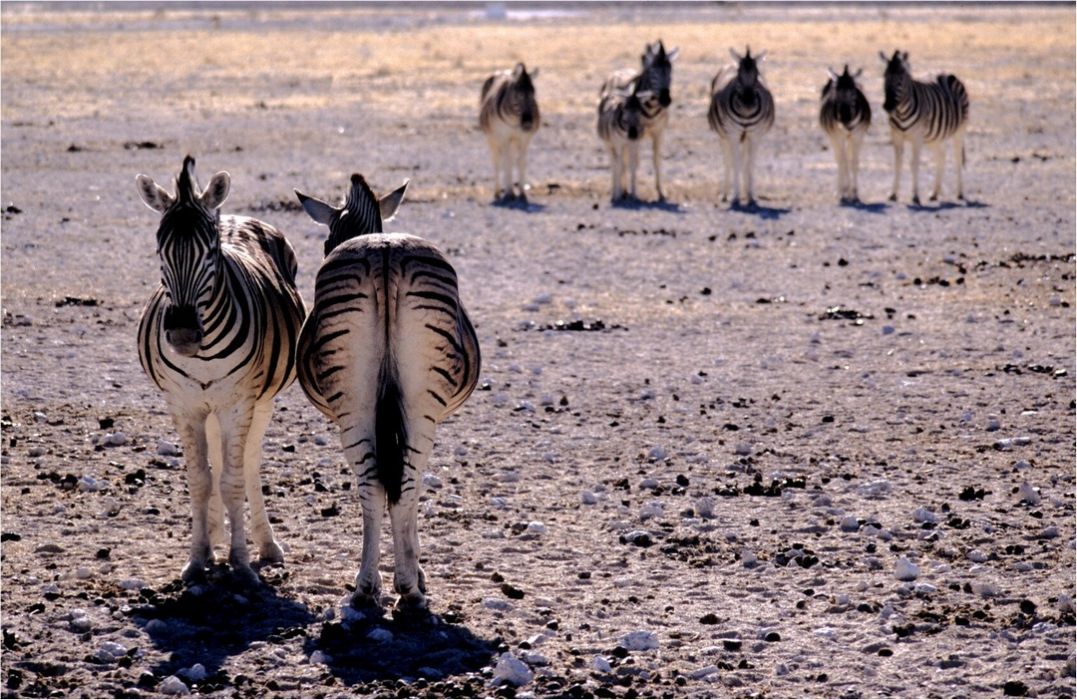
column 656, row 72
column 361, row 213
column 895, row 78
column 747, row 75
column 520, row 97
column 189, row 246
column 631, row 117
column 843, row 91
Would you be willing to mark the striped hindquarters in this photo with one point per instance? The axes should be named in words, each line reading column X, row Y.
column 735, row 113
column 504, row 100
column 939, row 109
column 251, row 322
column 615, row 121
column 844, row 111
column 653, row 116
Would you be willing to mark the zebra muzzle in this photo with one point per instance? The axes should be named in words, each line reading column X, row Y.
column 664, row 98
column 182, row 329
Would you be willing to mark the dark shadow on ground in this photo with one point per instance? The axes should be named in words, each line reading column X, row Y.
column 518, row 203
column 869, row 207
column 943, row 206
column 370, row 647
column 636, row 204
column 762, row 211
column 210, row 622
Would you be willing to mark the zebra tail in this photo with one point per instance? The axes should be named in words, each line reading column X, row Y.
column 390, row 432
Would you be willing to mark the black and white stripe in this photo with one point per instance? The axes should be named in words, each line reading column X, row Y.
column 845, row 115
column 924, row 114
column 387, row 353
column 509, row 116
column 218, row 339
column 620, row 126
column 741, row 113
column 653, row 80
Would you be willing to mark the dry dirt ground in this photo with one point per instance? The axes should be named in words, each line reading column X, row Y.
column 711, row 493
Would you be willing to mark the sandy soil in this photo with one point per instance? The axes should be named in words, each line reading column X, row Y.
column 712, row 494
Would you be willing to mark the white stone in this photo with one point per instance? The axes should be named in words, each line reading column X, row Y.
column 640, row 640
column 496, row 604
column 880, row 488
column 985, row 589
column 923, row 515
column 431, row 481
column 925, row 588
column 110, row 651
column 534, row 658
column 167, row 449
column 600, row 664
column 976, row 556
column 651, row 509
column 657, row 453
column 700, row 673
column 318, row 657
column 748, row 558
column 173, row 686
column 850, row 523
column 905, row 570
column 512, row 671
column 1029, row 494
column 196, row 673
column 132, row 584
column 115, row 439
column 89, row 484
column 536, row 527
column 83, row 573
column 705, row 507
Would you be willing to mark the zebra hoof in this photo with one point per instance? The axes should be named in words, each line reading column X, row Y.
column 271, row 553
column 194, row 572
column 366, row 602
column 916, row 201
column 413, row 604
column 934, row 197
column 893, row 197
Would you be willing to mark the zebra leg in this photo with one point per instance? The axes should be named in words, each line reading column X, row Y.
column 633, row 168
column 522, row 144
column 216, row 508
column 191, row 426
column 656, row 157
column 854, row 164
column 409, row 580
column 917, row 144
column 737, row 153
column 727, row 172
column 837, row 144
column 940, row 160
column 899, row 147
column 261, row 530
column 751, row 145
column 236, row 425
column 359, row 451
column 615, row 170
column 495, row 156
column 959, row 159
column 506, row 170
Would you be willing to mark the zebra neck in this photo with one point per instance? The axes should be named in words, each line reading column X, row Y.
column 224, row 317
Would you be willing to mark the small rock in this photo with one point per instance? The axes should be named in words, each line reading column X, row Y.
column 657, row 453
column 976, row 556
column 850, row 523
column 89, row 484
column 196, row 673
column 496, row 604
column 588, row 498
column 905, row 570
column 115, row 439
column 748, row 558
column 110, row 651
column 511, row 671
column 132, row 584
column 640, row 640
column 318, row 657
column 705, row 507
column 923, row 515
column 379, row 635
column 600, row 664
column 700, row 673
column 536, row 528
column 173, row 686
column 1028, row 494
column 432, row 482
column 167, row 449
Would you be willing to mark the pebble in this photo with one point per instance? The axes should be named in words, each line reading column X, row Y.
column 132, row 584
column 649, row 484
column 1048, row 533
column 657, row 453
column 925, row 588
column 1021, row 465
column 701, row 673
column 640, row 640
column 651, row 509
column 321, row 440
column 601, row 664
column 82, row 573
column 496, row 604
column 36, row 451
column 512, row 671
column 1029, row 494
column 905, row 570
column 880, row 488
column 887, row 330
column 588, row 498
column 976, row 556
column 705, row 507
column 155, row 626
column 379, row 635
column 320, row 658
column 748, row 558
column 536, row 527
column 173, row 686
column 110, row 651
column 431, row 481
column 992, row 424
column 115, row 439
column 1065, row 603
column 850, row 523
column 743, row 449
column 167, row 449
column 536, row 659
column 196, row 673
column 985, row 589
column 89, row 484
column 923, row 515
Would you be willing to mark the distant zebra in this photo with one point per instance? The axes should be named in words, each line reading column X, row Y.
column 924, row 113
column 741, row 113
column 620, row 126
column 218, row 338
column 654, row 79
column 509, row 116
column 387, row 353
column 845, row 116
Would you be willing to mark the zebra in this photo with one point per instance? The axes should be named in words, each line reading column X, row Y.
column 924, row 113
column 845, row 116
column 654, row 79
column 509, row 116
column 620, row 126
column 217, row 338
column 741, row 113
column 387, row 353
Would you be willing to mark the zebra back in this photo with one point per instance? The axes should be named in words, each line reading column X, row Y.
column 937, row 110
column 509, row 96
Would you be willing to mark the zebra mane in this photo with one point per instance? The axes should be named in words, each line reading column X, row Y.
column 362, row 204
column 187, row 189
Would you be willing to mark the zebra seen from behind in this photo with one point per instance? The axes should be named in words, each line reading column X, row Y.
column 509, row 116
column 218, row 339
column 387, row 353
column 653, row 80
column 741, row 113
column 620, row 126
column 924, row 114
column 845, row 116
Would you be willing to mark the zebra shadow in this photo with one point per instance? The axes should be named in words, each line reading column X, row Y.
column 762, row 211
column 944, row 206
column 869, row 207
column 208, row 623
column 518, row 204
column 369, row 647
column 636, row 204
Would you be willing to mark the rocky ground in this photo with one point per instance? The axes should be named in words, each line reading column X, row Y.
column 799, row 450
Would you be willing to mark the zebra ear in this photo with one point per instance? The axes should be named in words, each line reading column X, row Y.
column 858, row 72
column 883, row 57
column 316, row 208
column 736, row 56
column 761, row 56
column 390, row 203
column 155, row 196
column 831, row 73
column 216, row 191
column 533, row 73
column 672, row 55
